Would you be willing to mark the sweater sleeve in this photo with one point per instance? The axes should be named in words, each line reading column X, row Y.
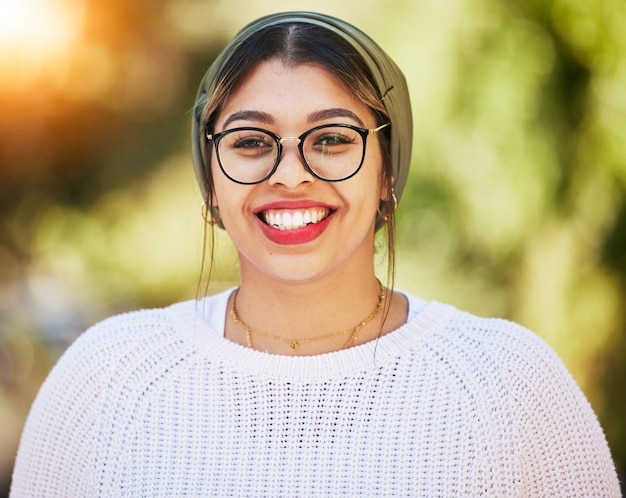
column 60, row 441
column 563, row 448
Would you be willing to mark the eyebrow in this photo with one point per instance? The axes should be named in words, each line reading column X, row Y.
column 261, row 117
column 337, row 112
column 265, row 118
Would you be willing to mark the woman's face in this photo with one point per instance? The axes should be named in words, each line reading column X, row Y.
column 322, row 228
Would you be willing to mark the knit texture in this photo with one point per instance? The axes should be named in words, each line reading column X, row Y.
column 155, row 403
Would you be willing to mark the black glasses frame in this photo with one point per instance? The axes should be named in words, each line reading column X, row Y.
column 364, row 132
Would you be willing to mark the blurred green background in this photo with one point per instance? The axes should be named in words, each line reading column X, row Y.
column 515, row 205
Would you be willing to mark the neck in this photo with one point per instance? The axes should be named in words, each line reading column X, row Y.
column 313, row 313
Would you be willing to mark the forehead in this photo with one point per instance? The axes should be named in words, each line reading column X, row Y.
column 289, row 93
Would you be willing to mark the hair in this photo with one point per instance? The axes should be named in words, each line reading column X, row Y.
column 297, row 44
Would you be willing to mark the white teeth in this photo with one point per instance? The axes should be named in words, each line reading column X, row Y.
column 297, row 219
column 287, row 221
column 290, row 220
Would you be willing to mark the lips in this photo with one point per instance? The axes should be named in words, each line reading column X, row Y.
column 294, row 222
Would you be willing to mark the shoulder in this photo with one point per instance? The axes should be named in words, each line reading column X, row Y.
column 91, row 390
column 496, row 354
column 498, row 334
column 123, row 344
column 502, row 341
column 517, row 372
column 552, row 422
column 129, row 328
column 508, row 345
column 118, row 358
column 124, row 331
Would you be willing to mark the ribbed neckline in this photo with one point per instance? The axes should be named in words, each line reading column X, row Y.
column 188, row 322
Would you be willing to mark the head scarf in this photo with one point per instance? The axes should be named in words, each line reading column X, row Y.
column 388, row 79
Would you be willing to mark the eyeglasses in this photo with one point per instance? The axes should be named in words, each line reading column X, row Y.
column 332, row 152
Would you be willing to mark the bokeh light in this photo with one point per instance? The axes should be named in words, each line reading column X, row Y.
column 36, row 39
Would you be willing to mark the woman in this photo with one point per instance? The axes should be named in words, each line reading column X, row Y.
column 311, row 378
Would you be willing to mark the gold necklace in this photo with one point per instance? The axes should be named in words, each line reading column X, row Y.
column 294, row 343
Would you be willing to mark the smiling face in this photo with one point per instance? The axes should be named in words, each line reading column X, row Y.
column 294, row 226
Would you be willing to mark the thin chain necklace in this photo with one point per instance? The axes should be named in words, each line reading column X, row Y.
column 295, row 343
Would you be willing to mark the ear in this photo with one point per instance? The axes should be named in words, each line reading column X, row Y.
column 211, row 210
column 388, row 202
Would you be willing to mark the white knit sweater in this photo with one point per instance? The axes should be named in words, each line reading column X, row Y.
column 157, row 403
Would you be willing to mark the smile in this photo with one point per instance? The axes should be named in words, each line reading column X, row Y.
column 284, row 220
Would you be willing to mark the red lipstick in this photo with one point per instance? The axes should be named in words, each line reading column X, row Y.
column 293, row 236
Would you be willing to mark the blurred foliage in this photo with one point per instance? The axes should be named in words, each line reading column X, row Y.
column 515, row 205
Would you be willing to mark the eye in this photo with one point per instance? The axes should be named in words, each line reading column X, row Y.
column 251, row 142
column 248, row 143
column 333, row 140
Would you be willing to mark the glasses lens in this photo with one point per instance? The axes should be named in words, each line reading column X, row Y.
column 247, row 155
column 334, row 152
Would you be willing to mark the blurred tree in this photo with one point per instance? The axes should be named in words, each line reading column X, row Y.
column 516, row 201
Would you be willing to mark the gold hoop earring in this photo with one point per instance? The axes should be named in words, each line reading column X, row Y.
column 387, row 213
column 211, row 215
column 383, row 216
column 395, row 201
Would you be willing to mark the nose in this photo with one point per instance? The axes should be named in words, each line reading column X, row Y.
column 291, row 170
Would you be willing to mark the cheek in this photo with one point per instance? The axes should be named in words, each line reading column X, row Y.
column 375, row 184
column 365, row 196
column 230, row 197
